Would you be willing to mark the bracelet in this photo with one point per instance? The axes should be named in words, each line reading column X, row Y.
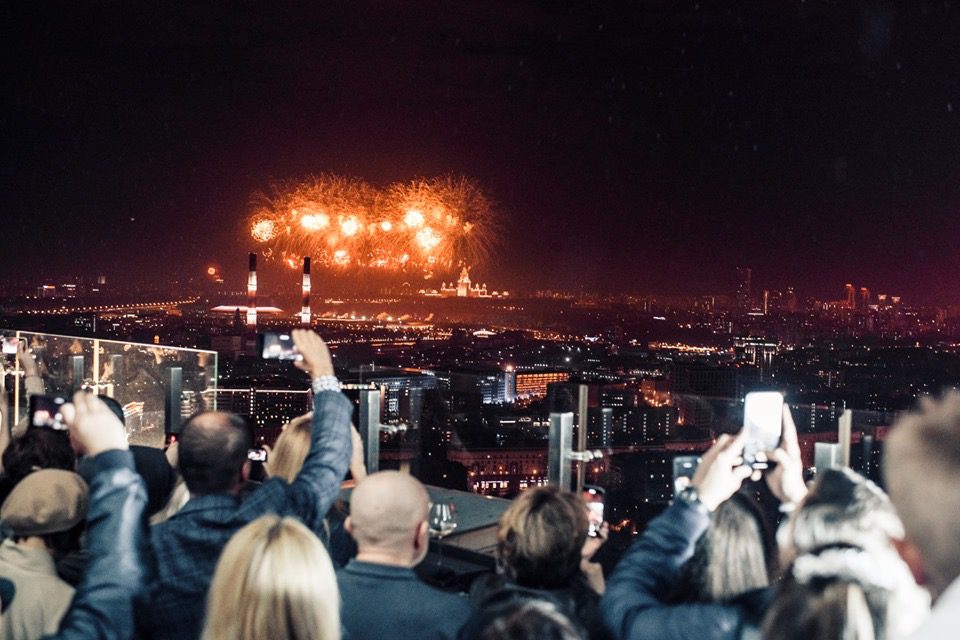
column 325, row 383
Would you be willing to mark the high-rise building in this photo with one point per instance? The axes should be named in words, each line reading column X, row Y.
column 851, row 295
column 864, row 298
column 744, row 277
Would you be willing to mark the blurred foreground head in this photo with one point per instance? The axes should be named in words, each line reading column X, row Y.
column 921, row 468
column 274, row 580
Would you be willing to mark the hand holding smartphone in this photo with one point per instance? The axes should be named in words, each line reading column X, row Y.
column 47, row 412
column 594, row 497
column 762, row 426
column 277, row 346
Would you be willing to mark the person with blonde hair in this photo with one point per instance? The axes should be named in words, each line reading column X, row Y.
column 274, row 580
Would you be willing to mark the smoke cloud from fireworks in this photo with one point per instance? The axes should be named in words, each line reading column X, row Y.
column 425, row 225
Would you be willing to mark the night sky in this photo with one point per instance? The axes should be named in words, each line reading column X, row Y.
column 647, row 146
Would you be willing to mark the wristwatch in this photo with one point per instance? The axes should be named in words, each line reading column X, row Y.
column 325, row 383
column 691, row 496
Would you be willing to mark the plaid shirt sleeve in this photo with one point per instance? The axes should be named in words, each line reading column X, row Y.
column 312, row 492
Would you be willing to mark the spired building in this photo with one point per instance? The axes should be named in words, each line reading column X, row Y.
column 464, row 289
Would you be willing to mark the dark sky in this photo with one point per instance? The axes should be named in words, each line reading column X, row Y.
column 648, row 146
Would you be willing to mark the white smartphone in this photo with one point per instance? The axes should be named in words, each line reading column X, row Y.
column 763, row 423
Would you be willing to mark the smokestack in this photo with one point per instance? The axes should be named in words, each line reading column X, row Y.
column 252, row 293
column 305, row 308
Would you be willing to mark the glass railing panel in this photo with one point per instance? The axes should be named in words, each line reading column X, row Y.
column 157, row 386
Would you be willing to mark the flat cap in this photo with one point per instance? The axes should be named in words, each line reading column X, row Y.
column 46, row 501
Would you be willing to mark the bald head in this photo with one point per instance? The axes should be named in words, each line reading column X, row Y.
column 213, row 450
column 386, row 510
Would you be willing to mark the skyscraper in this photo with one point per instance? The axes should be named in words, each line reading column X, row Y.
column 744, row 275
column 851, row 294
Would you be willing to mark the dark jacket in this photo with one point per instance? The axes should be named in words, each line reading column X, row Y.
column 380, row 601
column 495, row 595
column 185, row 548
column 635, row 604
column 103, row 604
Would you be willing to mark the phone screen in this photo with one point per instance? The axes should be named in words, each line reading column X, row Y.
column 683, row 469
column 258, row 454
column 10, row 344
column 278, row 346
column 594, row 498
column 763, row 422
column 45, row 411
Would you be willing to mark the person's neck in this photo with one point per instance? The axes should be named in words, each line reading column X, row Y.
column 385, row 556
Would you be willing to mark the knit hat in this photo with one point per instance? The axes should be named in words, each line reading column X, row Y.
column 46, row 501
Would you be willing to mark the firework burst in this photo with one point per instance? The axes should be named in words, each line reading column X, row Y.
column 424, row 225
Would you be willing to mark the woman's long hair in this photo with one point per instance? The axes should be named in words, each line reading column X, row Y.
column 274, row 580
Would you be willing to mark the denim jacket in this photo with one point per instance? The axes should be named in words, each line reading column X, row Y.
column 103, row 605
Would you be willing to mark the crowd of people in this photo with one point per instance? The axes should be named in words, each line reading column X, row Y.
column 104, row 540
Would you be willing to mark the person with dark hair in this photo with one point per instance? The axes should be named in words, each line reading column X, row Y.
column 540, row 545
column 36, row 449
column 213, row 463
column 531, row 620
column 42, row 514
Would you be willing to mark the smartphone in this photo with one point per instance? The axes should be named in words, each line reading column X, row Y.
column 683, row 469
column 46, row 412
column 277, row 346
column 10, row 344
column 763, row 423
column 595, row 498
column 259, row 454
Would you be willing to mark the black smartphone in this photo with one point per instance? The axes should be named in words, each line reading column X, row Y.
column 46, row 412
column 257, row 454
column 683, row 469
column 595, row 499
column 277, row 346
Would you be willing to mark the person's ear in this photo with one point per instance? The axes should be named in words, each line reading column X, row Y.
column 422, row 537
column 911, row 556
column 348, row 526
column 245, row 472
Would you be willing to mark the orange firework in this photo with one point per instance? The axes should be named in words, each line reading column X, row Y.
column 346, row 223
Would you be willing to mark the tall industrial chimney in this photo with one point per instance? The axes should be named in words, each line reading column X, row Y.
column 305, row 308
column 252, row 293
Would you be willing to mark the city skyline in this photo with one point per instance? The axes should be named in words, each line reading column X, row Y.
column 641, row 147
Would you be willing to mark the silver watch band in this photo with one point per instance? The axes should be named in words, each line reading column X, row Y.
column 325, row 383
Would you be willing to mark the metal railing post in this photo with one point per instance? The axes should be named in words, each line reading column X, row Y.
column 76, row 364
column 561, row 441
column 172, row 420
column 369, row 427
column 582, row 413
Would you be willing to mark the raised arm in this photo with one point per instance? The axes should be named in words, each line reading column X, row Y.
column 316, row 486
column 635, row 605
column 102, row 607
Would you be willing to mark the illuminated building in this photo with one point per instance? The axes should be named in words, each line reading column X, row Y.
column 502, row 471
column 533, row 384
column 269, row 408
column 464, row 289
column 851, row 293
column 744, row 276
column 305, row 306
column 252, row 293
column 864, row 298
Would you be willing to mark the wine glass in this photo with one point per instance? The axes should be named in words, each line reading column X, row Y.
column 442, row 520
